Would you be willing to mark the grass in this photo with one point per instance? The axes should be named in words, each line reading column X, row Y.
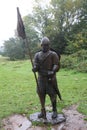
column 18, row 89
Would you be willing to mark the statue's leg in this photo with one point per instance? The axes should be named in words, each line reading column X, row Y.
column 54, row 105
column 42, row 101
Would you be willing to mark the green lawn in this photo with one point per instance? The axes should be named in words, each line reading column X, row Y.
column 18, row 89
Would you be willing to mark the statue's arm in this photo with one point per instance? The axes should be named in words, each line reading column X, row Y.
column 36, row 63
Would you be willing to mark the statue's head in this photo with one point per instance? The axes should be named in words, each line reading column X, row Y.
column 45, row 40
column 45, row 44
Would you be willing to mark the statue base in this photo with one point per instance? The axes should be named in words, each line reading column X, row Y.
column 60, row 118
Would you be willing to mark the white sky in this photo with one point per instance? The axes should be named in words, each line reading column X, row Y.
column 8, row 16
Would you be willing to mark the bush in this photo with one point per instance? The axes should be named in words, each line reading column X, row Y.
column 76, row 61
column 67, row 62
column 82, row 67
column 81, row 55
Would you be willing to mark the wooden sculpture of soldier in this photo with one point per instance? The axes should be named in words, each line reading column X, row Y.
column 46, row 63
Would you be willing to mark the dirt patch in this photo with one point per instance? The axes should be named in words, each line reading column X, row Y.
column 74, row 121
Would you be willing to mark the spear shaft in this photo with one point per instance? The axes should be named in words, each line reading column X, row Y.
column 29, row 53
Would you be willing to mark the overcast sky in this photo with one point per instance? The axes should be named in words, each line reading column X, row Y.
column 8, row 16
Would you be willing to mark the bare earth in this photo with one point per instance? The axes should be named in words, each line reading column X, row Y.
column 74, row 121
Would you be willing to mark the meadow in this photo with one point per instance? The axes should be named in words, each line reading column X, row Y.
column 18, row 89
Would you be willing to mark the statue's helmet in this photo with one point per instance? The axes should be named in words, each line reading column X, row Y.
column 45, row 40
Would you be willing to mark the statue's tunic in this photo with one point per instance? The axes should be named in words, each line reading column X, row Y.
column 46, row 62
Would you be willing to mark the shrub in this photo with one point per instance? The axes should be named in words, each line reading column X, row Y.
column 76, row 61
column 68, row 62
column 82, row 67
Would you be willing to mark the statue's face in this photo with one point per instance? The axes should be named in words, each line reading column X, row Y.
column 45, row 47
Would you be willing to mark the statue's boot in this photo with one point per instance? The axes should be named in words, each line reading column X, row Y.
column 54, row 115
column 42, row 114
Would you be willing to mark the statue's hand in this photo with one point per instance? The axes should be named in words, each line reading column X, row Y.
column 34, row 69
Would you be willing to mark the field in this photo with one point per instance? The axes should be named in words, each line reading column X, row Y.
column 18, row 89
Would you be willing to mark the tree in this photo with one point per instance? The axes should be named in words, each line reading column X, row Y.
column 77, row 36
column 13, row 48
column 71, row 24
column 45, row 25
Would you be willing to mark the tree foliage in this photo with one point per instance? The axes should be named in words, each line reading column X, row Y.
column 70, row 19
column 14, row 49
column 77, row 36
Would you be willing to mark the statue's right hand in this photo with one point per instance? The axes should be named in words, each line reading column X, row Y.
column 34, row 69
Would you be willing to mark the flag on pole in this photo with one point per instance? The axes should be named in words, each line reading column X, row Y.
column 22, row 34
column 20, row 25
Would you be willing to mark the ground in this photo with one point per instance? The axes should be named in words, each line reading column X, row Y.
column 74, row 121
